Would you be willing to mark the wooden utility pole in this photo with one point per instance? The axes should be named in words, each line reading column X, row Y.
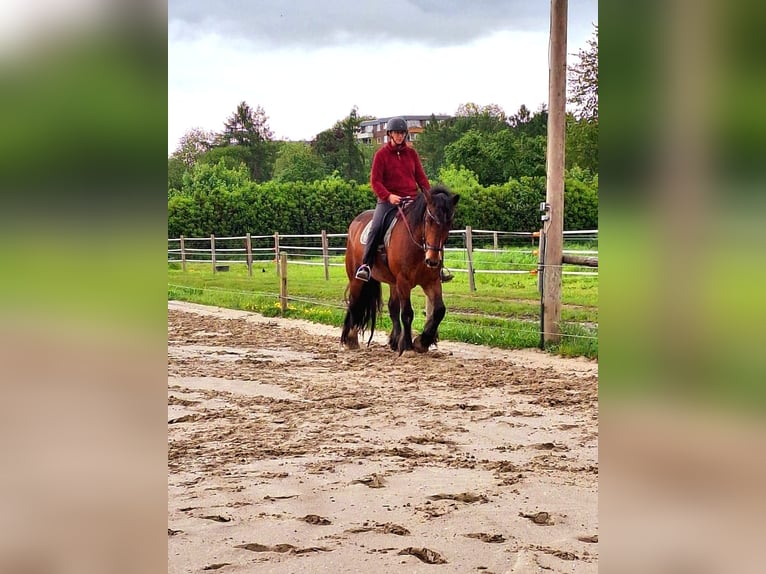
column 554, row 192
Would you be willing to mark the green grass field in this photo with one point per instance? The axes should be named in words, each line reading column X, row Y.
column 503, row 311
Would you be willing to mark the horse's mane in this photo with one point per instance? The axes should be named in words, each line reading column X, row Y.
column 440, row 197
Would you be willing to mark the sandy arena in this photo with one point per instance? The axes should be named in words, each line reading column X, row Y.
column 287, row 454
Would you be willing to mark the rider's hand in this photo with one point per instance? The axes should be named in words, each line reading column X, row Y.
column 394, row 199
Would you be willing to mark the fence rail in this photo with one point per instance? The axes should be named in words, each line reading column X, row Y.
column 220, row 252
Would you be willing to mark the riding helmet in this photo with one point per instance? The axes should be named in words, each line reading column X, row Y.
column 396, row 125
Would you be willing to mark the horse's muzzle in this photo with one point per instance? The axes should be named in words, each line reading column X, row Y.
column 432, row 262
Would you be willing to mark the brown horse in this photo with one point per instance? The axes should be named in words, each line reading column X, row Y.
column 413, row 257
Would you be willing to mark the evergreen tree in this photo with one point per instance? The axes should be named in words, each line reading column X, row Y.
column 249, row 129
column 339, row 149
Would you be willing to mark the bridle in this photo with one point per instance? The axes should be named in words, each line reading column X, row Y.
column 424, row 245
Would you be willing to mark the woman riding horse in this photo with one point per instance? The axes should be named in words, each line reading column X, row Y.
column 414, row 255
column 396, row 175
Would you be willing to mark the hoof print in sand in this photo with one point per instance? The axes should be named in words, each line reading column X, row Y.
column 540, row 518
column 484, row 537
column 373, row 481
column 282, row 548
column 424, row 555
column 316, row 519
column 462, row 497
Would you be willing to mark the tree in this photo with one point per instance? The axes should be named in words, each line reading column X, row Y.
column 526, row 157
column 527, row 123
column 297, row 161
column 520, row 118
column 176, row 170
column 249, row 129
column 233, row 156
column 204, row 178
column 582, row 144
column 339, row 149
column 583, row 81
column 193, row 144
column 436, row 136
column 489, row 118
column 214, row 200
column 246, row 126
column 354, row 158
column 582, row 124
column 475, row 151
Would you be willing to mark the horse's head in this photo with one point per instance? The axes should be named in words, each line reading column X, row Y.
column 438, row 217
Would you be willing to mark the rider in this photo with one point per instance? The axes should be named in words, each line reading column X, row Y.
column 396, row 175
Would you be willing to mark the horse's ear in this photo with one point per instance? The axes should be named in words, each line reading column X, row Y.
column 455, row 199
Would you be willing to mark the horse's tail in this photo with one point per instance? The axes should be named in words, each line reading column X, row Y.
column 363, row 310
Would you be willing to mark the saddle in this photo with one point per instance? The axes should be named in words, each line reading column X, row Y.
column 389, row 222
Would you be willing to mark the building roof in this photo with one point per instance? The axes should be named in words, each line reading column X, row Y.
column 384, row 120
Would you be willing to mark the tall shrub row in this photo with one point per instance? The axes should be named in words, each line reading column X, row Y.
column 515, row 205
column 225, row 202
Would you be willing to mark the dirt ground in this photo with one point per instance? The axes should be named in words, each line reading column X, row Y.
column 287, row 454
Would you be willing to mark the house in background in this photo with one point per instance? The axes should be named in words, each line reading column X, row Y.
column 374, row 131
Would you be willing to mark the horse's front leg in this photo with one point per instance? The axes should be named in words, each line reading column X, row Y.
column 436, row 312
column 394, row 309
column 405, row 339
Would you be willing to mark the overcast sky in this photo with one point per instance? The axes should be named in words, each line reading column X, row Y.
column 308, row 62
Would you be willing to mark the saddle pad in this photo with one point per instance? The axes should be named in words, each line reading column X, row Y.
column 386, row 238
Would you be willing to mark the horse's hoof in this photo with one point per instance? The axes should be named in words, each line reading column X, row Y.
column 351, row 345
column 417, row 344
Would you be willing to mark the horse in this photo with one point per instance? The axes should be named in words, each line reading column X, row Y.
column 413, row 257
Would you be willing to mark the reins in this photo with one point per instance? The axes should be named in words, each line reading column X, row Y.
column 424, row 245
column 409, row 230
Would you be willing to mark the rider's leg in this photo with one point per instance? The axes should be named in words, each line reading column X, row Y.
column 370, row 250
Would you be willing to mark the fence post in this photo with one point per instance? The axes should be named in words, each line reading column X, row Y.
column 541, row 283
column 183, row 255
column 276, row 250
column 249, row 249
column 494, row 241
column 469, row 254
column 212, row 250
column 325, row 256
column 283, row 282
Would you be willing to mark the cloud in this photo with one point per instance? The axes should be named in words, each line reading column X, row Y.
column 307, row 64
column 311, row 23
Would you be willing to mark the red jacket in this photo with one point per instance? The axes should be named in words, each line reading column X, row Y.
column 397, row 170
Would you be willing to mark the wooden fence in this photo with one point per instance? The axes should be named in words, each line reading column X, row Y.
column 320, row 249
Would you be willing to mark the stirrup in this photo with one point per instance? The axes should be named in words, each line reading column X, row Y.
column 363, row 273
column 445, row 275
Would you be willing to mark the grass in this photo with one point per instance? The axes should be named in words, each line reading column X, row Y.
column 503, row 311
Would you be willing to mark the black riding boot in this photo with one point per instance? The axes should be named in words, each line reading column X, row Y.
column 382, row 208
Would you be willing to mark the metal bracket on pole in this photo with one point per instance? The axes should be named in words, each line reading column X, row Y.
column 546, row 209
